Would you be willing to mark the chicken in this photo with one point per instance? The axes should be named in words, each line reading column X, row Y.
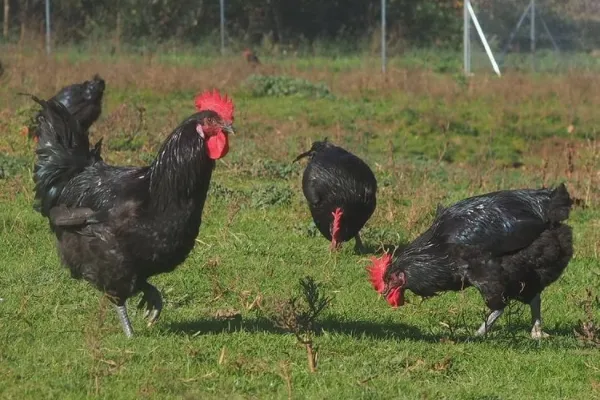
column 509, row 244
column 82, row 100
column 251, row 58
column 118, row 226
column 341, row 192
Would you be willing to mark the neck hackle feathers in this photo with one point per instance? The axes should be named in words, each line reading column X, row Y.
column 213, row 101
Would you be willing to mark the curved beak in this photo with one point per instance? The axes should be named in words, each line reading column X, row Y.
column 229, row 129
column 301, row 156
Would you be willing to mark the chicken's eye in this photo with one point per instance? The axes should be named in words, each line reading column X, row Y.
column 210, row 121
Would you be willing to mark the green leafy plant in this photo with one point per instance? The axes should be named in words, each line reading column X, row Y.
column 280, row 86
column 271, row 195
column 11, row 165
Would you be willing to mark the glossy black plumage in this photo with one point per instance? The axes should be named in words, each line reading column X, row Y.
column 335, row 178
column 82, row 100
column 509, row 244
column 118, row 226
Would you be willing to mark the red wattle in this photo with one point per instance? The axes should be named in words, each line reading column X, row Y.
column 217, row 145
column 395, row 297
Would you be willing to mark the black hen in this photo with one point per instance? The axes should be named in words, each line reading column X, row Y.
column 509, row 244
column 82, row 100
column 118, row 226
column 341, row 192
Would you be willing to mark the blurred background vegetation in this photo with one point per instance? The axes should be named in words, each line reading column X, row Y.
column 305, row 27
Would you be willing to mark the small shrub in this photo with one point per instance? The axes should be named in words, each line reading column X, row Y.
column 271, row 196
column 13, row 165
column 281, row 86
column 274, row 169
column 309, row 230
column 298, row 315
column 218, row 191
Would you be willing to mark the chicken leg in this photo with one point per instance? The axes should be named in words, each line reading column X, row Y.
column 358, row 245
column 487, row 325
column 536, row 318
column 124, row 318
column 153, row 302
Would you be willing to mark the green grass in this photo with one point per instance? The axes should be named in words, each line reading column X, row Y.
column 59, row 338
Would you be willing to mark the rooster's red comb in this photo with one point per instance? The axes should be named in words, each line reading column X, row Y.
column 213, row 101
column 377, row 271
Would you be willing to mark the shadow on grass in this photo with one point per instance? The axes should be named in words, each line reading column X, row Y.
column 357, row 329
column 389, row 330
column 515, row 335
column 216, row 325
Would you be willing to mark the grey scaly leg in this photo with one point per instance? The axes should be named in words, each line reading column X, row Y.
column 536, row 318
column 487, row 325
column 153, row 302
column 125, row 323
column 358, row 246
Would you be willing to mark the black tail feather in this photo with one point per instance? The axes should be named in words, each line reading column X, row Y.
column 62, row 153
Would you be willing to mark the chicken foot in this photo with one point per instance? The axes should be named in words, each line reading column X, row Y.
column 487, row 325
column 536, row 318
column 152, row 299
column 124, row 318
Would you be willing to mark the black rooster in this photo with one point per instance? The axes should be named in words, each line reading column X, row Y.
column 82, row 100
column 341, row 192
column 118, row 226
column 508, row 244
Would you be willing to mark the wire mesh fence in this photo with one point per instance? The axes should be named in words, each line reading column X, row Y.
column 543, row 35
column 540, row 35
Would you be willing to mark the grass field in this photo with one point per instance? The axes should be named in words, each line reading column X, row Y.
column 430, row 138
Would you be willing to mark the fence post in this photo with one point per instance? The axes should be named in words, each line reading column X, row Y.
column 532, row 34
column 466, row 38
column 47, row 26
column 383, row 41
column 6, row 18
column 222, row 3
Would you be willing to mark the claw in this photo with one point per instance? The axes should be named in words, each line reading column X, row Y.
column 537, row 332
column 152, row 300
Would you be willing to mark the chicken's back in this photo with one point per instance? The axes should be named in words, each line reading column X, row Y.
column 504, row 221
column 511, row 244
column 498, row 242
column 335, row 178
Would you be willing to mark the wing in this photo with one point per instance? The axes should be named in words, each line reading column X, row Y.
column 64, row 216
column 100, row 187
column 316, row 184
column 499, row 227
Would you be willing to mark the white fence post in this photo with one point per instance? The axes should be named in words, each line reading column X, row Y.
column 47, row 26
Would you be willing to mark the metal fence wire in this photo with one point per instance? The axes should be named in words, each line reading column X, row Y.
column 529, row 34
